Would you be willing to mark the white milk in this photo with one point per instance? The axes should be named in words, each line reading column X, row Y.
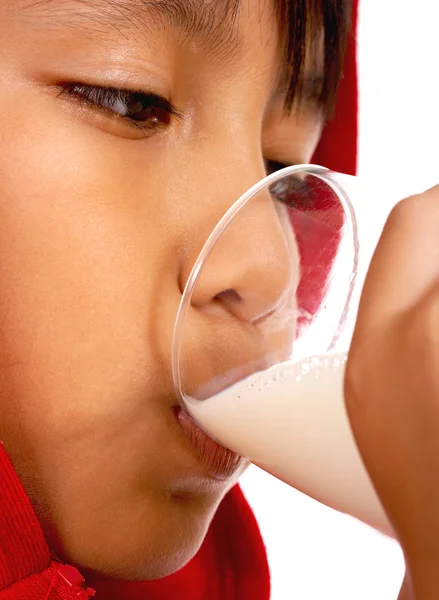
column 291, row 421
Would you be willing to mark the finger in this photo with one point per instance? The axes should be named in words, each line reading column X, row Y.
column 405, row 266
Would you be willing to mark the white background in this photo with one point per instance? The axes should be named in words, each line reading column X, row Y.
column 315, row 553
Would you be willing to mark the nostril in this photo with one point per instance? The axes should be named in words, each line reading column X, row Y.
column 249, row 308
column 229, row 296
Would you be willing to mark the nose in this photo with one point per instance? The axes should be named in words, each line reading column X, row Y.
column 252, row 265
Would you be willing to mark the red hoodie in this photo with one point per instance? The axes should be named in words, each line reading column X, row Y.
column 231, row 564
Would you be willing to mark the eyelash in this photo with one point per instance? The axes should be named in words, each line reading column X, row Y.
column 272, row 166
column 159, row 110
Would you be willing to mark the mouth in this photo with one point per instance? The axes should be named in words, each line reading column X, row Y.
column 220, row 463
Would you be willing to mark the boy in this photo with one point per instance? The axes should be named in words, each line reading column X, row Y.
column 119, row 118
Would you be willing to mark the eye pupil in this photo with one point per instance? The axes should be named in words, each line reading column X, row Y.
column 141, row 109
column 135, row 106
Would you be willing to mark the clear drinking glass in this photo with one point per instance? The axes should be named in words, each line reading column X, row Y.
column 260, row 365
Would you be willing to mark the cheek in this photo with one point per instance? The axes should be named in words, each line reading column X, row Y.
column 293, row 138
column 80, row 267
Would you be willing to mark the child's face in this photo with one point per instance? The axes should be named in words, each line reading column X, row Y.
column 100, row 222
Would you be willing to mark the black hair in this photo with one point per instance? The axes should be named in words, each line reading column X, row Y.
column 313, row 36
column 312, row 30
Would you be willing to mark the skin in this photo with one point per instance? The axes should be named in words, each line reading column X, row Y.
column 100, row 224
column 392, row 385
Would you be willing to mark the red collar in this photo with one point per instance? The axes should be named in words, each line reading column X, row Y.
column 23, row 550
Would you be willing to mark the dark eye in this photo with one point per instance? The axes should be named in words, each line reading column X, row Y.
column 272, row 166
column 139, row 109
column 295, row 191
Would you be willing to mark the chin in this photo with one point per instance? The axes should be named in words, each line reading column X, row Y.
column 157, row 567
column 163, row 565
column 165, row 546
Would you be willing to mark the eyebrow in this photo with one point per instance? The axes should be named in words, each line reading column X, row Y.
column 212, row 23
